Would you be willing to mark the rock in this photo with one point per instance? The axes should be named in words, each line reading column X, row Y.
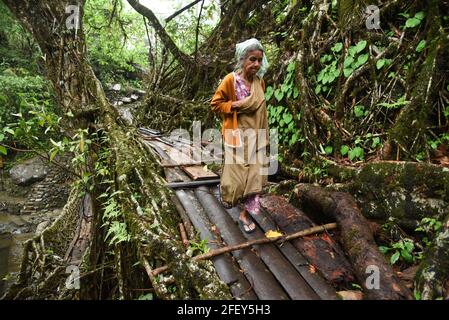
column 41, row 226
column 28, row 172
column 139, row 92
column 118, row 103
column 126, row 100
column 126, row 115
column 134, row 97
column 350, row 295
column 116, row 87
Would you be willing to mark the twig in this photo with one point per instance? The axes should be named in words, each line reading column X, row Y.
column 184, row 238
column 247, row 244
column 198, row 30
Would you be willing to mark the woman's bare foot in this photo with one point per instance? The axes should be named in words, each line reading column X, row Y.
column 246, row 222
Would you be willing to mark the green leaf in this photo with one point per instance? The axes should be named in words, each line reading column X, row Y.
column 318, row 89
column 291, row 67
column 148, row 296
column 293, row 139
column 287, row 118
column 360, row 46
column 409, row 246
column 421, row 46
column 417, row 294
column 395, row 257
column 337, row 47
column 348, row 61
column 279, row 95
column 383, row 249
column 3, row 150
column 344, row 150
column 295, row 93
column 328, row 150
column 362, row 59
column 53, row 154
column 348, row 72
column 2, row 137
column 407, row 256
column 359, row 111
column 352, row 51
column 380, row 63
column 269, row 93
column 376, row 142
column 412, row 22
column 419, row 15
column 9, row 130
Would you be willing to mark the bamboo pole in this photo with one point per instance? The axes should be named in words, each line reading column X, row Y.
column 216, row 252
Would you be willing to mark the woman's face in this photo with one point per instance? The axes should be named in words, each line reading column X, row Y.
column 252, row 62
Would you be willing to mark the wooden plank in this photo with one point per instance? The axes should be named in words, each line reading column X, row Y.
column 321, row 250
column 299, row 262
column 226, row 268
column 192, row 184
column 264, row 283
column 198, row 173
column 316, row 282
column 292, row 282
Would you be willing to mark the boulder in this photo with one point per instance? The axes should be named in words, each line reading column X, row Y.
column 28, row 172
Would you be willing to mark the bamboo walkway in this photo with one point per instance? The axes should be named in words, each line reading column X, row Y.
column 268, row 271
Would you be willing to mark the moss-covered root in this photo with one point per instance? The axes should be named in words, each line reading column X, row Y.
column 433, row 272
column 410, row 127
column 152, row 221
column 357, row 241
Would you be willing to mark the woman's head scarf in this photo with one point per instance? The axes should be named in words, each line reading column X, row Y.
column 242, row 48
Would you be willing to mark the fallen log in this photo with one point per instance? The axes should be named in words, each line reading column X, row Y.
column 280, row 239
column 357, row 239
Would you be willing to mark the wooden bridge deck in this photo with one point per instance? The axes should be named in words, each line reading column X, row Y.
column 268, row 271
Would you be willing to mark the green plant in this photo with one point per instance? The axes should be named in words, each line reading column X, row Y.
column 443, row 138
column 401, row 250
column 148, row 296
column 415, row 21
column 280, row 116
column 200, row 247
column 383, row 62
column 430, row 227
column 399, row 103
column 359, row 111
column 355, row 58
column 330, row 72
column 421, row 46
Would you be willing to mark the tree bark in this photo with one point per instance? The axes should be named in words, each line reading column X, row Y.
column 357, row 240
column 433, row 273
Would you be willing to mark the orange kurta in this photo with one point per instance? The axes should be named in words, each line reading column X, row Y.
column 223, row 98
column 241, row 176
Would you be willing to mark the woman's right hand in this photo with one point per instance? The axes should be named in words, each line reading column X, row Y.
column 237, row 104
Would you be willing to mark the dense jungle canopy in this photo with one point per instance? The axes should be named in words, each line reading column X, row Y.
column 358, row 90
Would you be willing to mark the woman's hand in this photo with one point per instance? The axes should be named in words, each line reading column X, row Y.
column 237, row 104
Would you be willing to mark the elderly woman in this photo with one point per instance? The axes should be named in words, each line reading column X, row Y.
column 240, row 100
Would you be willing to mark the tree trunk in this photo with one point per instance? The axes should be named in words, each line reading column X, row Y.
column 152, row 220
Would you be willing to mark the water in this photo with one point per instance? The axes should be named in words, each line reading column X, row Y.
column 11, row 247
column 5, row 248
